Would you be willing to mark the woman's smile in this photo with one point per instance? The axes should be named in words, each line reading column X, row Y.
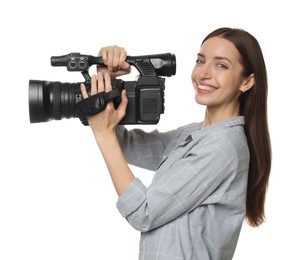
column 205, row 89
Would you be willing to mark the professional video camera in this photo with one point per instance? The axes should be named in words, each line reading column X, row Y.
column 55, row 100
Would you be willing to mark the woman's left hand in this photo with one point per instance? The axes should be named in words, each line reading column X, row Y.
column 104, row 123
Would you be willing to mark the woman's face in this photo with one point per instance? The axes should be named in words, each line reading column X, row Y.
column 216, row 77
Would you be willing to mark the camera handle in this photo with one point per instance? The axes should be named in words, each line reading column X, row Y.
column 86, row 76
column 95, row 104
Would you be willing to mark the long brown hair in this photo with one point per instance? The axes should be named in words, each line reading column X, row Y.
column 253, row 106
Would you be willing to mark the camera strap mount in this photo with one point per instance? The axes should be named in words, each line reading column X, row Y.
column 95, row 104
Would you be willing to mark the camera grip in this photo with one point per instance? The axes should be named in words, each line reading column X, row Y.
column 95, row 104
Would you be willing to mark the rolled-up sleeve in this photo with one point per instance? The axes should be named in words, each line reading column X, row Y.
column 132, row 198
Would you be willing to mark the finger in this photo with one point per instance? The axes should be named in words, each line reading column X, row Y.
column 107, row 56
column 123, row 104
column 110, row 58
column 104, row 54
column 108, row 85
column 93, row 85
column 83, row 90
column 116, row 57
column 122, row 63
column 100, row 84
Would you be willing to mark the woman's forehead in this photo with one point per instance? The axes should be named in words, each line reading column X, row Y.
column 219, row 47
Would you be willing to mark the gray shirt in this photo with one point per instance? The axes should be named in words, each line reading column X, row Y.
column 195, row 206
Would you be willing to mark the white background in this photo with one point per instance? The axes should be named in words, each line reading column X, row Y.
column 56, row 197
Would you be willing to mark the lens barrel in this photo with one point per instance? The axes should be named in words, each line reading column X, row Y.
column 51, row 100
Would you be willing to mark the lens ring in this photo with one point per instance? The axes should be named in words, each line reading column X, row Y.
column 56, row 101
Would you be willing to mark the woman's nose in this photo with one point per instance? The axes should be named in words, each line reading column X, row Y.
column 203, row 72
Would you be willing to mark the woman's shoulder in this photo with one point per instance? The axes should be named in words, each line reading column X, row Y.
column 188, row 128
column 226, row 135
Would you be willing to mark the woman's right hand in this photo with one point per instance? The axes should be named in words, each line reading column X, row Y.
column 114, row 58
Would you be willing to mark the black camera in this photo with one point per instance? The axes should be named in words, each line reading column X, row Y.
column 55, row 100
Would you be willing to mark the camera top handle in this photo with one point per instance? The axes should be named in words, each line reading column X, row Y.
column 147, row 65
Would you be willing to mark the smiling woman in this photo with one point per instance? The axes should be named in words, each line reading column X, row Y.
column 236, row 64
column 210, row 176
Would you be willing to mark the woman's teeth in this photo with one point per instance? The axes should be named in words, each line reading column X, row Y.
column 207, row 88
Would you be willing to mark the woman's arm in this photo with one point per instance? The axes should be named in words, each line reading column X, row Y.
column 121, row 174
column 103, row 126
column 143, row 149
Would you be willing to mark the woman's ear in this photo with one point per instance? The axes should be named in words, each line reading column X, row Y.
column 248, row 83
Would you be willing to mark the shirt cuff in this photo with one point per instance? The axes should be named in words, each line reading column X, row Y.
column 131, row 199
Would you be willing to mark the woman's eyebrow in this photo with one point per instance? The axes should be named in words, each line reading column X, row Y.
column 222, row 58
column 215, row 58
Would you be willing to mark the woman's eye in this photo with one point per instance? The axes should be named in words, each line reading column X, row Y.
column 200, row 61
column 221, row 66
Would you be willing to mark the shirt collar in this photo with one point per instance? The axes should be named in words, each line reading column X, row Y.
column 229, row 122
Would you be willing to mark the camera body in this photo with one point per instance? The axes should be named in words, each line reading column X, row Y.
column 145, row 99
column 56, row 100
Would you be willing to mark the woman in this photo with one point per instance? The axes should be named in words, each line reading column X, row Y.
column 210, row 176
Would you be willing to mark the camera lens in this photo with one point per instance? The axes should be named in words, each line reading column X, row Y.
column 51, row 100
